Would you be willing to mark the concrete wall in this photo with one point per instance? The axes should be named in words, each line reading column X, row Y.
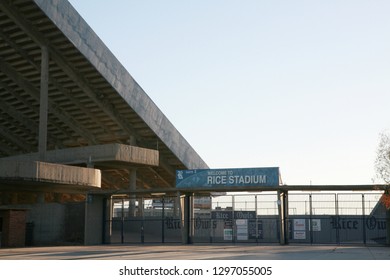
column 94, row 220
column 48, row 223
column 42, row 224
column 56, row 223
column 74, row 222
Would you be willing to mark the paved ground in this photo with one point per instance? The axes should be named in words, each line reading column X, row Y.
column 197, row 252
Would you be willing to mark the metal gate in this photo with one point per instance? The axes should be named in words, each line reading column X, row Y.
column 143, row 220
column 249, row 218
column 337, row 218
column 313, row 218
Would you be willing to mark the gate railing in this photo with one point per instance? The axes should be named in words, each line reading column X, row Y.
column 320, row 218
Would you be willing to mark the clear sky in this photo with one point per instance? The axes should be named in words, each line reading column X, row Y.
column 303, row 85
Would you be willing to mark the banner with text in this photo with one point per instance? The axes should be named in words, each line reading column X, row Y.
column 237, row 177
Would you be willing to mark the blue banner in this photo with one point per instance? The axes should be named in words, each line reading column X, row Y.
column 237, row 177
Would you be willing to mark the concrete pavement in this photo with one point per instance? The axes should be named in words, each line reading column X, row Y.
column 197, row 252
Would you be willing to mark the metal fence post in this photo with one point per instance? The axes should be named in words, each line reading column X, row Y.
column 123, row 221
column 311, row 218
column 364, row 220
column 162, row 220
column 336, row 197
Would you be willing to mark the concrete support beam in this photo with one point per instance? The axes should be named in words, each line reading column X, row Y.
column 132, row 187
column 43, row 105
column 27, row 86
column 132, row 179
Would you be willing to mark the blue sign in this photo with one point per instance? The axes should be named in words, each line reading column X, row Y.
column 238, row 177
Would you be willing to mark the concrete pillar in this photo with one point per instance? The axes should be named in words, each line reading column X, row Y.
column 43, row 106
column 132, row 187
column 283, row 213
column 187, row 224
column 90, row 163
column 176, row 206
column 94, row 218
column 108, row 217
column 140, row 212
column 132, row 141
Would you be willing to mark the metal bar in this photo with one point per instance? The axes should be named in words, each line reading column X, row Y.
column 311, row 217
column 237, row 189
column 234, row 231
column 364, row 220
column 123, row 221
column 162, row 221
column 337, row 217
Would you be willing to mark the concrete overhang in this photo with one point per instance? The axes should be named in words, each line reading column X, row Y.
column 98, row 156
column 43, row 176
column 92, row 99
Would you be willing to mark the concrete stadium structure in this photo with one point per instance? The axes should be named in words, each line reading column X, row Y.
column 72, row 120
column 86, row 157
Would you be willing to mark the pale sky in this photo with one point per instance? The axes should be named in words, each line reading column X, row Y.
column 302, row 85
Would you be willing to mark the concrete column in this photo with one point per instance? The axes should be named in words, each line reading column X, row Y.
column 140, row 212
column 109, row 216
column 94, row 218
column 176, row 206
column 132, row 187
column 132, row 141
column 187, row 219
column 43, row 106
column 283, row 212
column 90, row 163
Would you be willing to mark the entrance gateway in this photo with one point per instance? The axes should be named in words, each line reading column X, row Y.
column 202, row 209
column 236, row 225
